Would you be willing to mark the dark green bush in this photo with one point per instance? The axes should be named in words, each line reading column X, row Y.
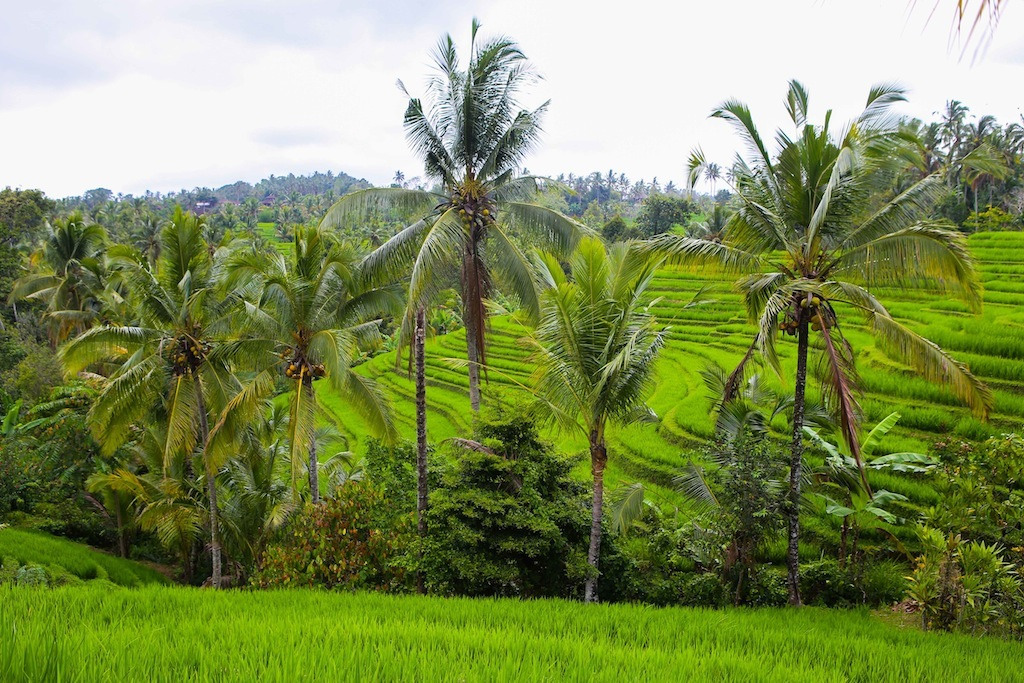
column 704, row 590
column 767, row 588
column 824, row 583
column 506, row 516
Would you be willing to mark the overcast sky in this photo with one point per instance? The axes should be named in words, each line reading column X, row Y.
column 164, row 95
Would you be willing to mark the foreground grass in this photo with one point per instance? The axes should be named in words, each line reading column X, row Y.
column 61, row 558
column 179, row 634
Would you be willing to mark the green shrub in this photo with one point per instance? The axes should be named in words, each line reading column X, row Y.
column 704, row 590
column 767, row 587
column 825, row 583
column 352, row 541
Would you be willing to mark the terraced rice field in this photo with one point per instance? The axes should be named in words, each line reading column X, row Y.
column 991, row 343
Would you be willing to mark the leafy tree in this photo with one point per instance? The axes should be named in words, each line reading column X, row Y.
column 308, row 319
column 472, row 137
column 595, row 347
column 743, row 496
column 660, row 213
column 816, row 243
column 22, row 215
column 616, row 230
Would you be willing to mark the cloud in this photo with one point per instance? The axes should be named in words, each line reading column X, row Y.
column 143, row 94
column 293, row 136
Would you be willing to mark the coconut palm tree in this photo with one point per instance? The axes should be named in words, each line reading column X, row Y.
column 473, row 137
column 308, row 319
column 712, row 174
column 167, row 368
column 68, row 274
column 815, row 243
column 595, row 347
column 712, row 228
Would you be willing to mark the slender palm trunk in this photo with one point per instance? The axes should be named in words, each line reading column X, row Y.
column 314, row 473
column 211, row 488
column 474, row 365
column 421, row 434
column 122, row 535
column 598, row 460
column 473, row 293
column 796, row 462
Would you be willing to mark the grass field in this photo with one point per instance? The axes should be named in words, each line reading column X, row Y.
column 180, row 634
column 991, row 343
column 61, row 559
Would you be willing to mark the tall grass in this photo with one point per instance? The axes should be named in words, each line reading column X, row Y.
column 178, row 634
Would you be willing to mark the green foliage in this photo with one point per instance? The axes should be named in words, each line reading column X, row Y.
column 992, row 219
column 617, row 230
column 352, row 541
column 506, row 518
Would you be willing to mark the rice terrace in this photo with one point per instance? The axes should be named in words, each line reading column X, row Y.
column 486, row 419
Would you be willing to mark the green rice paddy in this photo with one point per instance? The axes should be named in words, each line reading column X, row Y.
column 181, row 634
column 991, row 343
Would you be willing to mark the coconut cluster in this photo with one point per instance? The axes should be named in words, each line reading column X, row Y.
column 820, row 314
column 475, row 212
column 186, row 354
column 297, row 365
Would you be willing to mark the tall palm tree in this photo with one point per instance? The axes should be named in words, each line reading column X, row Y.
column 307, row 319
column 473, row 137
column 167, row 365
column 595, row 347
column 68, row 274
column 712, row 174
column 815, row 243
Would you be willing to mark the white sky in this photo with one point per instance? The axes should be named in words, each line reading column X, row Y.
column 164, row 95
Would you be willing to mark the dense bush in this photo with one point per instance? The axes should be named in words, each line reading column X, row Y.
column 354, row 540
column 506, row 517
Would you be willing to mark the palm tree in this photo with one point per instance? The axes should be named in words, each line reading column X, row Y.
column 307, row 319
column 712, row 173
column 595, row 347
column 68, row 274
column 815, row 244
column 168, row 369
column 473, row 137
column 712, row 228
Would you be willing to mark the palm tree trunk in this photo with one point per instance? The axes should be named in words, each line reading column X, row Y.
column 421, row 435
column 598, row 460
column 211, row 488
column 314, row 473
column 122, row 535
column 796, row 462
column 474, row 365
column 842, row 543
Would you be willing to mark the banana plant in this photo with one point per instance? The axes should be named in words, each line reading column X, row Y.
column 840, row 458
